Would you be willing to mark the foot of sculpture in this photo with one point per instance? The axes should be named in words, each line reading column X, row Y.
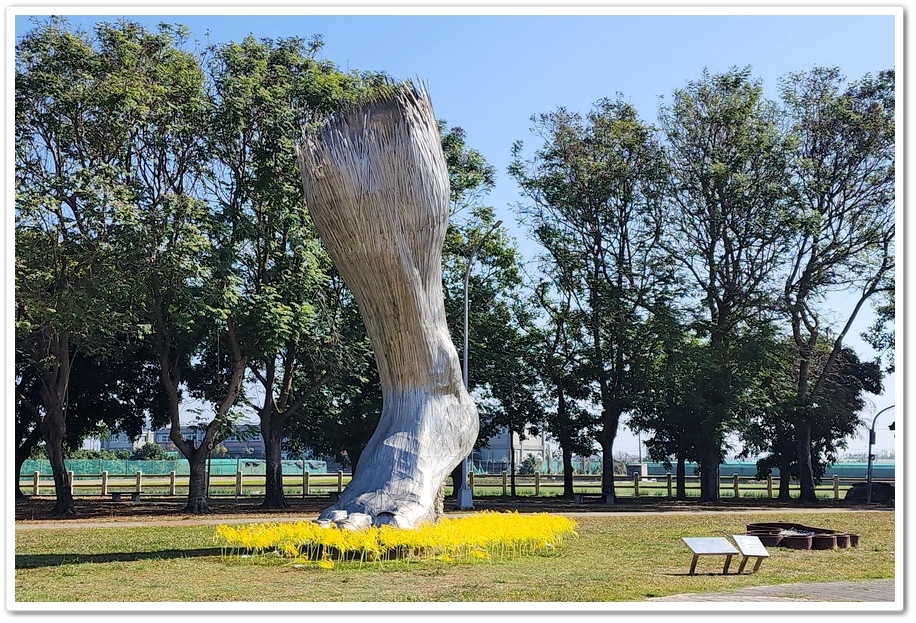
column 419, row 440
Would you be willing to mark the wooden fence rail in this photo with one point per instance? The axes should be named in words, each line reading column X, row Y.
column 307, row 484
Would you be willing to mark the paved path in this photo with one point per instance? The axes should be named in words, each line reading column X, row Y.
column 871, row 591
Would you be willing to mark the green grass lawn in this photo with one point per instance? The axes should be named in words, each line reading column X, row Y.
column 615, row 558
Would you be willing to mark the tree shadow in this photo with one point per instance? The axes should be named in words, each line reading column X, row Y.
column 35, row 561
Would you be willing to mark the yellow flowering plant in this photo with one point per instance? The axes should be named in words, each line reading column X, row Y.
column 484, row 536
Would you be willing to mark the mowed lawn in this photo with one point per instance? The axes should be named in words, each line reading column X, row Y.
column 614, row 558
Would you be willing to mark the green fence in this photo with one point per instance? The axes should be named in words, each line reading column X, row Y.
column 240, row 485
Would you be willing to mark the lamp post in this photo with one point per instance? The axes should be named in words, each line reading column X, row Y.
column 465, row 495
column 871, row 441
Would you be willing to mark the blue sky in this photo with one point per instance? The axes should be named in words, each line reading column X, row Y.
column 490, row 73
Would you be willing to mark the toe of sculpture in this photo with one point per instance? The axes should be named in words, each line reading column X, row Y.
column 356, row 520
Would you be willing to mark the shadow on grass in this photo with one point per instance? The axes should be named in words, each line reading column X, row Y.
column 35, row 561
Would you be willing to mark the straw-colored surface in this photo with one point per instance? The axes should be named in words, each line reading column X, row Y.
column 377, row 187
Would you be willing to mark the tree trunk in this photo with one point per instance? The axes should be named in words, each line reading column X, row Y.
column 170, row 375
column 721, row 400
column 354, row 453
column 785, row 479
column 272, row 433
column 377, row 187
column 783, row 450
column 195, row 455
column 23, row 452
column 511, row 462
column 198, row 483
column 607, row 469
column 803, row 418
column 54, row 430
column 456, row 481
column 805, row 469
column 568, row 475
column 55, row 380
column 680, row 477
column 709, row 474
column 565, row 440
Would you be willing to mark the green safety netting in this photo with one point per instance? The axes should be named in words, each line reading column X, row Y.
column 218, row 467
column 228, row 467
column 749, row 469
column 551, row 467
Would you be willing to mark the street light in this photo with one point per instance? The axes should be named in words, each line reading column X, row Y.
column 871, row 441
column 465, row 495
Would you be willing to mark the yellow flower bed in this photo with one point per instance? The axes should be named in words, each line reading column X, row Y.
column 480, row 537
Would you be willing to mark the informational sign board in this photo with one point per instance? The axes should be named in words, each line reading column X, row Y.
column 750, row 545
column 705, row 546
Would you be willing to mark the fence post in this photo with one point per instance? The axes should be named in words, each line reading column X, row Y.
column 836, row 487
column 636, row 484
column 735, row 485
column 36, row 481
column 339, row 481
column 139, row 482
column 238, row 483
column 769, row 485
column 471, row 482
column 70, row 480
column 505, row 481
column 305, row 483
column 668, row 478
column 172, row 488
column 105, row 482
column 537, row 483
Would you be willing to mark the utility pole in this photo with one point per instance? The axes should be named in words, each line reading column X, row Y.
column 465, row 495
column 871, row 442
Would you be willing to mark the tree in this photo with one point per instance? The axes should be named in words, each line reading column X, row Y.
column 181, row 282
column 843, row 177
column 263, row 92
column 727, row 227
column 558, row 359
column 341, row 416
column 116, row 121
column 116, row 392
column 28, row 418
column 596, row 189
column 149, row 452
column 509, row 401
column 74, row 192
column 470, row 176
column 674, row 405
column 880, row 334
column 834, row 418
column 767, row 427
column 497, row 374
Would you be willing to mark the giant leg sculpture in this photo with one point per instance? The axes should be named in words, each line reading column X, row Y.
column 377, row 188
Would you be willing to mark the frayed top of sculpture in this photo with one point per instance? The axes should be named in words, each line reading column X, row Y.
column 409, row 98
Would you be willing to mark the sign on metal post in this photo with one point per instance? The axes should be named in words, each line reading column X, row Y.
column 709, row 546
